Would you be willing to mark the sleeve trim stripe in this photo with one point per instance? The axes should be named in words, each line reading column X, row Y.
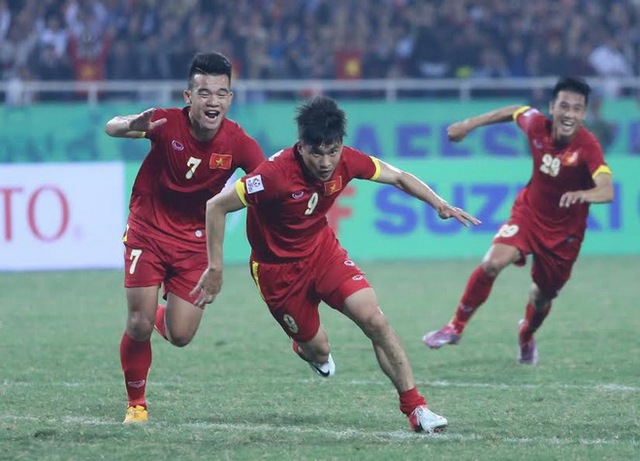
column 601, row 169
column 377, row 165
column 239, row 186
column 520, row 111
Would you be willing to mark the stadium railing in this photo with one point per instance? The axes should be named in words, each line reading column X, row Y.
column 23, row 91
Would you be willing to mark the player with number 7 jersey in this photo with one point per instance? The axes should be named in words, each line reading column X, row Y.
column 194, row 152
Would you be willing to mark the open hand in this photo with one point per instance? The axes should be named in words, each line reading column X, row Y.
column 142, row 121
column 447, row 211
column 208, row 287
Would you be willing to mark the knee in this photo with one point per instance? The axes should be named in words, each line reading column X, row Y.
column 492, row 266
column 139, row 327
column 180, row 340
column 537, row 298
column 375, row 325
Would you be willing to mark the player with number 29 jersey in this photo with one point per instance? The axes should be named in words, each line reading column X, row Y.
column 556, row 170
column 549, row 216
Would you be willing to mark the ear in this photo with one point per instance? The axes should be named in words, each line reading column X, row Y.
column 186, row 94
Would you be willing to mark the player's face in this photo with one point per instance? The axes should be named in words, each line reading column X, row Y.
column 568, row 111
column 321, row 160
column 210, row 97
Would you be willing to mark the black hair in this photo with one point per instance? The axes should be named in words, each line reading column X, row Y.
column 573, row 84
column 320, row 121
column 209, row 64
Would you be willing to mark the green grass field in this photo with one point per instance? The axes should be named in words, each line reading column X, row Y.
column 238, row 392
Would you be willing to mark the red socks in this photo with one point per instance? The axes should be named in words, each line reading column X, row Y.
column 160, row 324
column 135, row 358
column 476, row 292
column 532, row 320
column 410, row 399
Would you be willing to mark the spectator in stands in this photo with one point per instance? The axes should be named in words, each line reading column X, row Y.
column 53, row 33
column 553, row 59
column 5, row 20
column 48, row 65
column 608, row 60
column 428, row 39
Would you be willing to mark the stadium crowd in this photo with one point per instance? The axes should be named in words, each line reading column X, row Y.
column 302, row 39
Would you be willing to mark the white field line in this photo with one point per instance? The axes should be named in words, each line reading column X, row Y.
column 347, row 434
column 598, row 387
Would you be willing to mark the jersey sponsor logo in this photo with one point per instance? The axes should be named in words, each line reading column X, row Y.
column 254, row 184
column 571, row 158
column 333, row 186
column 176, row 145
column 276, row 155
column 298, row 195
column 220, row 161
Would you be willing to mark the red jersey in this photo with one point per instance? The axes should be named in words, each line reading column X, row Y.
column 180, row 173
column 556, row 170
column 286, row 216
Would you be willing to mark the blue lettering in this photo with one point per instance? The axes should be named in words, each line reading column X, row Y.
column 450, row 226
column 501, row 140
column 494, row 195
column 401, row 218
column 451, row 149
column 613, row 214
column 634, row 138
column 405, row 137
column 366, row 139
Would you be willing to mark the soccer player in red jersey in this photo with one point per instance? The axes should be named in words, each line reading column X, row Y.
column 194, row 151
column 549, row 216
column 296, row 259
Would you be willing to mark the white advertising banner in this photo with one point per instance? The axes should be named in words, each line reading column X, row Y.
column 61, row 216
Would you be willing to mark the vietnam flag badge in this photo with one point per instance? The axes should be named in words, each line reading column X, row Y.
column 220, row 161
column 333, row 186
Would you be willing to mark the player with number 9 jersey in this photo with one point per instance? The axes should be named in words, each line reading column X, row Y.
column 297, row 261
column 286, row 215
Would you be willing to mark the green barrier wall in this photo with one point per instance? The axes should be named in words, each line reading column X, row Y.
column 482, row 174
column 377, row 222
column 403, row 130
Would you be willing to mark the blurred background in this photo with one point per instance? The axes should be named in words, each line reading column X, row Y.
column 402, row 69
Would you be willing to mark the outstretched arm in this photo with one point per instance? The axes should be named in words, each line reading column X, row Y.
column 411, row 185
column 218, row 207
column 601, row 193
column 457, row 131
column 132, row 126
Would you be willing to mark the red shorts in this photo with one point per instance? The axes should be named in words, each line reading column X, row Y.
column 551, row 267
column 149, row 262
column 293, row 290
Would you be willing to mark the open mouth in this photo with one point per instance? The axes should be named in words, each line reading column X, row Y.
column 212, row 114
column 567, row 126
